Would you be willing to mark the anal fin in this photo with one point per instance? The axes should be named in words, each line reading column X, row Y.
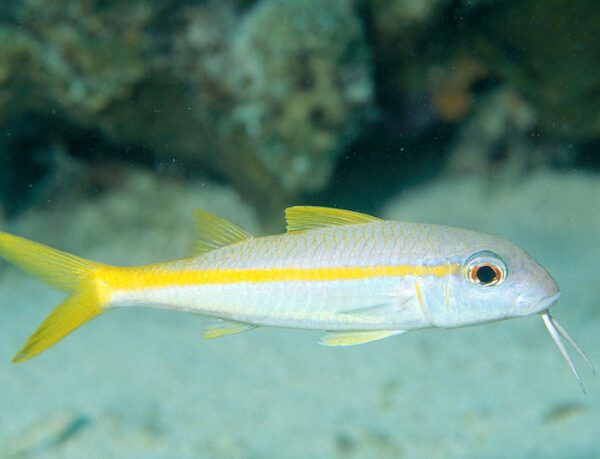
column 225, row 328
column 352, row 338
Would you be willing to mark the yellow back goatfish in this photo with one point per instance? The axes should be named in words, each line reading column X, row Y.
column 355, row 276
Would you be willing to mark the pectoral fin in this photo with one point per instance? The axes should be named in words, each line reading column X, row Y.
column 385, row 307
column 225, row 328
column 352, row 338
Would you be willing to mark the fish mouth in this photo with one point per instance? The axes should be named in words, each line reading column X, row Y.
column 557, row 331
column 546, row 303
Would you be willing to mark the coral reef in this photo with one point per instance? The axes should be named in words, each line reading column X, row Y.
column 76, row 57
column 479, row 63
column 268, row 98
column 269, row 95
column 301, row 82
column 547, row 52
column 500, row 140
column 550, row 53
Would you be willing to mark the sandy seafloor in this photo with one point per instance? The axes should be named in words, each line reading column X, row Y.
column 141, row 383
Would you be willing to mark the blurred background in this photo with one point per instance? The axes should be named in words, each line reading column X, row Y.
column 336, row 102
column 117, row 118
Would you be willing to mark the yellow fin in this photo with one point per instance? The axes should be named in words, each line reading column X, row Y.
column 300, row 218
column 69, row 315
column 62, row 271
column 352, row 338
column 58, row 269
column 213, row 232
column 225, row 328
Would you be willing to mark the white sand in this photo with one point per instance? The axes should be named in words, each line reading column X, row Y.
column 143, row 384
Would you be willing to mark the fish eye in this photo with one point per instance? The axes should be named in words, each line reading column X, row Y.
column 485, row 269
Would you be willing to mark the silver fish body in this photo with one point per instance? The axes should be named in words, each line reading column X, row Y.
column 357, row 277
column 392, row 276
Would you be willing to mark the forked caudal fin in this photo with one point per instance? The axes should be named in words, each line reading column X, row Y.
column 64, row 272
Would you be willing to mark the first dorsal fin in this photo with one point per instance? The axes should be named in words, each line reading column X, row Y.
column 213, row 232
column 300, row 218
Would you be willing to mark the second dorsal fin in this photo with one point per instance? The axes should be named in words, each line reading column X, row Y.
column 299, row 218
column 213, row 232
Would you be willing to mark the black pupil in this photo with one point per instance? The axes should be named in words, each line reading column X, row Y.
column 486, row 274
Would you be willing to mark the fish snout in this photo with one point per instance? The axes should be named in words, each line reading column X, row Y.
column 527, row 307
column 545, row 291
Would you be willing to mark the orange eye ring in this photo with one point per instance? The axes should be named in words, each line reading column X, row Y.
column 485, row 274
column 485, row 269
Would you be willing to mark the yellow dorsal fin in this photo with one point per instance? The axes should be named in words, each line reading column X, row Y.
column 299, row 218
column 213, row 232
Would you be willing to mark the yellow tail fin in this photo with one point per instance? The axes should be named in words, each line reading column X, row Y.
column 64, row 272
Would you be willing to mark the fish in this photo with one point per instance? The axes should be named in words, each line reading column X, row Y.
column 354, row 276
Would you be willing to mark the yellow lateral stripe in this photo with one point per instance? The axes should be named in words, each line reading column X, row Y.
column 141, row 278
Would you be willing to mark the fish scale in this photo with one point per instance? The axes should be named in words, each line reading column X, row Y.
column 357, row 277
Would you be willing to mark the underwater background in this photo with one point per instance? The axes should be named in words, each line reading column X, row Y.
column 118, row 118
